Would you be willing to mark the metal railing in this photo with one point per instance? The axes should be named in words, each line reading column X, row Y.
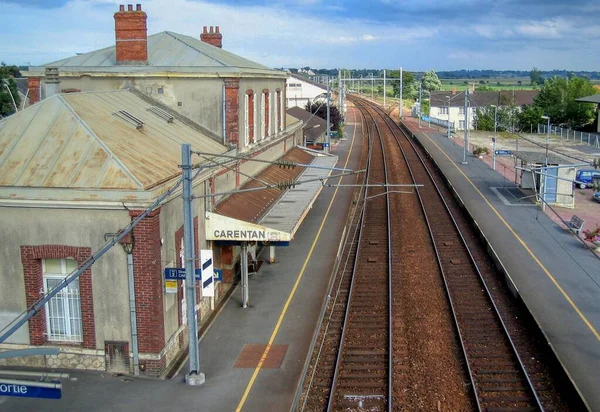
column 591, row 139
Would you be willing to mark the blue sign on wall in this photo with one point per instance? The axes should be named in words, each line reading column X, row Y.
column 503, row 152
column 218, row 274
column 179, row 273
column 27, row 391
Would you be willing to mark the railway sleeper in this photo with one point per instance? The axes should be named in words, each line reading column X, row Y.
column 342, row 383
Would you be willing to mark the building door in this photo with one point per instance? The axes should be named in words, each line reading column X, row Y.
column 550, row 184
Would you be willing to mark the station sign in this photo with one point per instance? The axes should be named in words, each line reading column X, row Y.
column 24, row 389
column 325, row 144
column 503, row 152
column 223, row 228
column 179, row 274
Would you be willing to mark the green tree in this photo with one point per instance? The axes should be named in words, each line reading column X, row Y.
column 7, row 105
column 484, row 88
column 431, row 82
column 557, row 100
column 536, row 77
column 529, row 117
column 410, row 87
column 484, row 117
column 320, row 109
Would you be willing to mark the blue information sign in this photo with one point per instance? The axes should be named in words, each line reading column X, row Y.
column 179, row 273
column 218, row 274
column 325, row 144
column 503, row 152
column 28, row 391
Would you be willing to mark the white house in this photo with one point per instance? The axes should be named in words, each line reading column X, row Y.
column 299, row 90
column 450, row 105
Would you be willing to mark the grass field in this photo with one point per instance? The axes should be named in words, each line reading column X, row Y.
column 494, row 83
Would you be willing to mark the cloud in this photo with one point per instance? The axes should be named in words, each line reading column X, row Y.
column 421, row 34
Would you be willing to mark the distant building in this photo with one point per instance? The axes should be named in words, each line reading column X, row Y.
column 450, row 105
column 300, row 90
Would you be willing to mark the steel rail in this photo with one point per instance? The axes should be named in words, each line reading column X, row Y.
column 388, row 368
column 390, row 307
column 472, row 261
column 338, row 360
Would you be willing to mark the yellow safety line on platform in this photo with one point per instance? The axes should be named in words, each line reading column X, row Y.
column 522, row 242
column 292, row 293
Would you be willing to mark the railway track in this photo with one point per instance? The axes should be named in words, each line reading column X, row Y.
column 349, row 370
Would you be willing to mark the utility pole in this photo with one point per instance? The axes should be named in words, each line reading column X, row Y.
column 340, row 89
column 327, row 138
column 383, row 87
column 401, row 115
column 466, row 142
column 448, row 125
column 194, row 377
column 372, row 85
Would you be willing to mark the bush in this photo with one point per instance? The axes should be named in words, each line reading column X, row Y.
column 481, row 150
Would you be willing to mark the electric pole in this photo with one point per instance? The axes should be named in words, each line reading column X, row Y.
column 401, row 115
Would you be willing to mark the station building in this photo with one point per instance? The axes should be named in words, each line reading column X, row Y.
column 99, row 144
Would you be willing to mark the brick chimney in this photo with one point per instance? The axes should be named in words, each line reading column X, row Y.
column 131, row 35
column 214, row 38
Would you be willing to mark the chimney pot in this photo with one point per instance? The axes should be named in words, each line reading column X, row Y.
column 212, row 35
column 131, row 35
column 122, row 7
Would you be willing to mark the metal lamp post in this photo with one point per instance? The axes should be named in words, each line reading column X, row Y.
column 448, row 117
column 546, row 163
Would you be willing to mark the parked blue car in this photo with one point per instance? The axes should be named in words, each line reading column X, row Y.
column 596, row 196
column 585, row 177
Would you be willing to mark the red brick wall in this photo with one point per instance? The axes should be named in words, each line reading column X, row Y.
column 31, row 257
column 214, row 37
column 33, row 84
column 148, row 279
column 131, row 35
column 232, row 107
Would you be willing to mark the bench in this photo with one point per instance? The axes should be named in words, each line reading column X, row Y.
column 575, row 224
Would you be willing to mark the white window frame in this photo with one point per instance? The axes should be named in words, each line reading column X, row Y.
column 281, row 110
column 262, row 116
column 461, row 110
column 246, row 121
column 255, row 109
column 443, row 110
column 461, row 125
column 271, row 101
column 72, row 314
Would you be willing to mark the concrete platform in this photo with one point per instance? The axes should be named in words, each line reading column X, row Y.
column 555, row 275
column 285, row 302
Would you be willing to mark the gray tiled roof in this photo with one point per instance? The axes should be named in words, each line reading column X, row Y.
column 167, row 51
column 313, row 127
column 595, row 98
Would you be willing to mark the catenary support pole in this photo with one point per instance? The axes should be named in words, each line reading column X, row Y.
column 383, row 87
column 400, row 107
column 466, row 142
column 244, row 269
column 420, row 101
column 194, row 377
column 328, row 126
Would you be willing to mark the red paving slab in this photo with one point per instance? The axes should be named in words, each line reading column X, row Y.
column 585, row 208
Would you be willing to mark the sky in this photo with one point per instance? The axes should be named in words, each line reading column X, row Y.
column 376, row 34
